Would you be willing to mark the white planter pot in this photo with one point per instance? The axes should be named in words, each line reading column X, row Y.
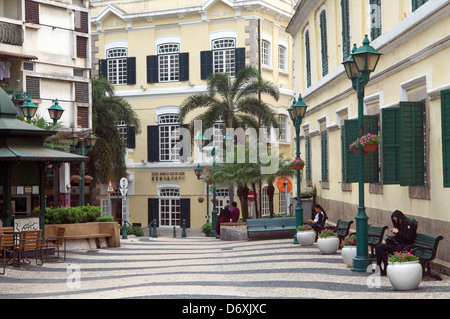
column 405, row 276
column 328, row 246
column 306, row 238
column 348, row 253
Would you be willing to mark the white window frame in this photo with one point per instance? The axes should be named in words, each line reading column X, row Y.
column 282, row 130
column 265, row 209
column 169, row 138
column 282, row 58
column 168, row 62
column 266, row 53
column 169, row 206
column 116, row 59
column 224, row 57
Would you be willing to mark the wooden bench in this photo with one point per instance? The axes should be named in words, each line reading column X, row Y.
column 425, row 247
column 342, row 228
column 271, row 228
column 6, row 229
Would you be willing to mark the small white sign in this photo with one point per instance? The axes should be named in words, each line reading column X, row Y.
column 123, row 182
column 124, row 191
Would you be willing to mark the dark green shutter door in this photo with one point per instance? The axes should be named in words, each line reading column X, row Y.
column 324, row 42
column 184, row 67
column 412, row 146
column 152, row 69
column 391, row 145
column 103, row 68
column 308, row 157
column 308, row 60
column 206, row 64
column 185, row 212
column 153, row 143
column 131, row 137
column 371, row 159
column 445, row 112
column 324, row 146
column 153, row 210
column 131, row 70
column 350, row 164
column 240, row 59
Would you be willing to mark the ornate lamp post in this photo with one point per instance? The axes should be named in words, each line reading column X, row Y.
column 87, row 144
column 28, row 109
column 55, row 112
column 358, row 67
column 296, row 113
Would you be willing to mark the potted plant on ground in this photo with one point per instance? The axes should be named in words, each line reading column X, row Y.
column 75, row 179
column 328, row 242
column 348, row 251
column 88, row 179
column 297, row 164
column 369, row 142
column 306, row 235
column 404, row 271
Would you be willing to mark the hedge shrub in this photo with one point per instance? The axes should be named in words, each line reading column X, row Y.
column 73, row 215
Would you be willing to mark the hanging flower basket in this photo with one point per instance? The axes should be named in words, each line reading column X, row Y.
column 208, row 180
column 200, row 199
column 297, row 164
column 369, row 142
column 76, row 179
column 88, row 179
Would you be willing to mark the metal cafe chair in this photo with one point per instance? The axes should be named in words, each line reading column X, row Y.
column 31, row 240
column 56, row 242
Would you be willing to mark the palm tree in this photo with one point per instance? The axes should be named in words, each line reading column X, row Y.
column 233, row 102
column 107, row 111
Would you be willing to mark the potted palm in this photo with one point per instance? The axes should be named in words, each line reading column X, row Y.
column 348, row 250
column 404, row 271
column 328, row 242
column 306, row 235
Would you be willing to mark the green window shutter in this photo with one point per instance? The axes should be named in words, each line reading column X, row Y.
column 350, row 160
column 153, row 143
column 416, row 4
column 206, row 64
column 345, row 12
column 371, row 160
column 391, row 145
column 445, row 113
column 324, row 42
column 308, row 157
column 240, row 59
column 375, row 19
column 324, row 147
column 184, row 66
column 131, row 70
column 152, row 69
column 412, row 143
column 308, row 60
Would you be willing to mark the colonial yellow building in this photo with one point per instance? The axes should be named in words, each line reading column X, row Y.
column 406, row 101
column 157, row 53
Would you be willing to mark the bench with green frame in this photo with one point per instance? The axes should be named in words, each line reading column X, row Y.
column 271, row 228
column 425, row 247
column 342, row 228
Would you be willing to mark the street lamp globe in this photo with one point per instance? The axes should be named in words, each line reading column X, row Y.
column 366, row 57
column 55, row 111
column 198, row 171
column 28, row 109
column 90, row 141
column 350, row 66
column 300, row 108
column 73, row 139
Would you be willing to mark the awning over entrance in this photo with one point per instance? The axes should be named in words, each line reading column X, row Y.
column 28, row 57
column 37, row 154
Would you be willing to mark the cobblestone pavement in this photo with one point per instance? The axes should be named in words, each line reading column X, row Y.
column 204, row 268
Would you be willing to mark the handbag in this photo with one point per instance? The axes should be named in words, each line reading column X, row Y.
column 392, row 240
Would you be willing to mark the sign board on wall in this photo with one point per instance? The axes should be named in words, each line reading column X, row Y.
column 21, row 224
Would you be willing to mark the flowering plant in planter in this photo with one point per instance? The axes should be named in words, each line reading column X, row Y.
column 200, row 199
column 304, row 228
column 208, row 180
column 349, row 241
column 402, row 257
column 88, row 178
column 297, row 163
column 365, row 140
column 327, row 233
column 75, row 178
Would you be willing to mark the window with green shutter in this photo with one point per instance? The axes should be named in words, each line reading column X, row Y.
column 308, row 59
column 375, row 19
column 324, row 147
column 416, row 4
column 308, row 157
column 324, row 42
column 391, row 145
column 412, row 143
column 345, row 12
column 349, row 134
column 445, row 113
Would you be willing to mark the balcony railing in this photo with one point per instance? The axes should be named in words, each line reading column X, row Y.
column 19, row 95
column 11, row 34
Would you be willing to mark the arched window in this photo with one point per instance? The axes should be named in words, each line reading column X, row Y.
column 116, row 59
column 224, row 55
column 169, row 62
column 323, row 41
column 169, row 206
column 345, row 13
column 308, row 59
column 169, row 137
column 265, row 210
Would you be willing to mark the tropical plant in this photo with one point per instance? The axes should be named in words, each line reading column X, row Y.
column 402, row 257
column 206, row 229
column 107, row 111
column 233, row 102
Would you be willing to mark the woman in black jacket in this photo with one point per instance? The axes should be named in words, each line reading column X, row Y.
column 404, row 235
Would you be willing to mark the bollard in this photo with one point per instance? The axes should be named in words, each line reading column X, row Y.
column 183, row 233
column 154, row 229
column 174, row 232
column 124, row 230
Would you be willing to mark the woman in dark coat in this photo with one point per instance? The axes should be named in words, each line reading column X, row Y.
column 404, row 235
column 224, row 217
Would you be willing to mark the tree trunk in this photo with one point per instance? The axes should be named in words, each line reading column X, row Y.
column 243, row 198
column 258, row 215
column 270, row 194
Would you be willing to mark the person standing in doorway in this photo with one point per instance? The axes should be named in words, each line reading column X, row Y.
column 235, row 213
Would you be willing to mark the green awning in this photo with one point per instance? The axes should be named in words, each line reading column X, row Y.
column 38, row 154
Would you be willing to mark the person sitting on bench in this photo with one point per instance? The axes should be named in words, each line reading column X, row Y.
column 319, row 220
